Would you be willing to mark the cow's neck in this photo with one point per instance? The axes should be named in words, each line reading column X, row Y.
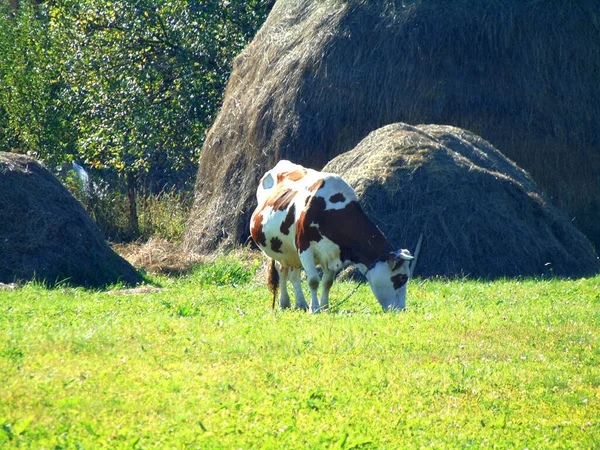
column 375, row 247
column 360, row 241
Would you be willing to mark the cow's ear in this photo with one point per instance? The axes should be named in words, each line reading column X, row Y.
column 394, row 261
column 267, row 181
column 405, row 255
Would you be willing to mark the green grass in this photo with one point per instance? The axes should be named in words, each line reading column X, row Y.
column 206, row 364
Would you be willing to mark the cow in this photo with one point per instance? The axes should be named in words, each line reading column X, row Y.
column 306, row 218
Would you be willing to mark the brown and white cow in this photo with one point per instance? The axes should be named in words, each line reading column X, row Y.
column 306, row 218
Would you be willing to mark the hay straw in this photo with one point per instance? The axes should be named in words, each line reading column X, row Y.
column 480, row 214
column 321, row 75
column 158, row 256
column 45, row 235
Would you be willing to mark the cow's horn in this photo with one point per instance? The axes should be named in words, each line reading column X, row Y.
column 405, row 255
column 413, row 265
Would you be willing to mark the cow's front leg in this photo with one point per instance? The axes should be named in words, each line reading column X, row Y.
column 284, row 296
column 328, row 276
column 294, row 276
column 308, row 262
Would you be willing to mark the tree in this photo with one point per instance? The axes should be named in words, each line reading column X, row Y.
column 130, row 86
column 33, row 118
column 150, row 77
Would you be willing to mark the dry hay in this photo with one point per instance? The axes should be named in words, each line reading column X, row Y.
column 479, row 213
column 45, row 234
column 319, row 76
column 159, row 256
column 140, row 290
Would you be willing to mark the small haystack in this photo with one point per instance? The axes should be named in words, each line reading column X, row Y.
column 321, row 75
column 479, row 213
column 46, row 235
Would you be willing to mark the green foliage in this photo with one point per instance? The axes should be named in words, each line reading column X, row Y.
column 151, row 76
column 162, row 215
column 105, row 204
column 33, row 117
column 130, row 86
column 165, row 214
column 508, row 364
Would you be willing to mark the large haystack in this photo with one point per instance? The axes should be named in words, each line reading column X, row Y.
column 479, row 213
column 46, row 235
column 320, row 75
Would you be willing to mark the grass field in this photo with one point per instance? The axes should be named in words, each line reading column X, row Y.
column 205, row 363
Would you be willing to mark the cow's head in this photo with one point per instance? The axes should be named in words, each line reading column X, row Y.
column 388, row 277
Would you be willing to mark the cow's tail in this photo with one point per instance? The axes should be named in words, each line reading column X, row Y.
column 273, row 281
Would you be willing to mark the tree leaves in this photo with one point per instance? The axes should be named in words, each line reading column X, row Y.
column 131, row 86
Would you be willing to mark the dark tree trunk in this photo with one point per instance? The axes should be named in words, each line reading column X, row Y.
column 133, row 216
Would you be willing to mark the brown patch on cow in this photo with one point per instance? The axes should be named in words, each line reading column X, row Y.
column 257, row 231
column 360, row 241
column 289, row 220
column 337, row 198
column 399, row 280
column 388, row 257
column 305, row 232
column 396, row 263
column 294, row 175
column 319, row 184
column 281, row 198
column 276, row 244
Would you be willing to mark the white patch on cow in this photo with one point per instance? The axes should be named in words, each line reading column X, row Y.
column 269, row 179
column 295, row 279
column 271, row 226
column 312, row 276
column 380, row 279
column 327, row 253
column 285, row 166
column 381, row 284
column 335, row 185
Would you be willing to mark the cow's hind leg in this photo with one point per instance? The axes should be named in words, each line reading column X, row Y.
column 308, row 262
column 284, row 297
column 294, row 276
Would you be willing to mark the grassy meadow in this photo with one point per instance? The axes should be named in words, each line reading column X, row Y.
column 203, row 362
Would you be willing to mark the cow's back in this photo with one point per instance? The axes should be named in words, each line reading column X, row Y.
column 301, row 209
